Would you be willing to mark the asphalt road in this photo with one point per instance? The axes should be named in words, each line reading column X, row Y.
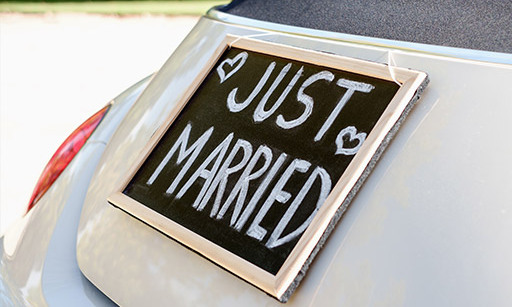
column 58, row 69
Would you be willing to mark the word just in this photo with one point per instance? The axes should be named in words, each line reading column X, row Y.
column 214, row 178
column 263, row 111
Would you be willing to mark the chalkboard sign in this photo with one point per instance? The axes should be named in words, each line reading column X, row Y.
column 253, row 167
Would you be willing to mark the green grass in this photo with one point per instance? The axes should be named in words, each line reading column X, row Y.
column 114, row 7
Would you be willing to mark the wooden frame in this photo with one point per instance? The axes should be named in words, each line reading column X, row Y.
column 282, row 284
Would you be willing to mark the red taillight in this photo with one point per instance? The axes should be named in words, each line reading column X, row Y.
column 63, row 156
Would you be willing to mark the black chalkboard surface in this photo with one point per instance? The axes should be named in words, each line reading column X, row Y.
column 255, row 152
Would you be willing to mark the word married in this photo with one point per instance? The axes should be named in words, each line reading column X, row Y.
column 216, row 178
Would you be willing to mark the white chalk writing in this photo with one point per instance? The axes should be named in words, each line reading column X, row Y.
column 352, row 87
column 258, row 181
column 234, row 106
column 181, row 143
column 240, row 58
column 304, row 99
column 351, row 131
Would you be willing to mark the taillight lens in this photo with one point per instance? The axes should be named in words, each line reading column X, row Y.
column 63, row 156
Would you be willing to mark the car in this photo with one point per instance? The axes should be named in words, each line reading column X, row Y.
column 376, row 173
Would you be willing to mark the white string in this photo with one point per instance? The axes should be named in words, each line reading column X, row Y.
column 248, row 36
column 391, row 68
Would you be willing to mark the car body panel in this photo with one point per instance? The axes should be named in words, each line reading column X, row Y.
column 427, row 228
column 38, row 263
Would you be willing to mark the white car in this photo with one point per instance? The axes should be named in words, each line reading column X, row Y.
column 257, row 167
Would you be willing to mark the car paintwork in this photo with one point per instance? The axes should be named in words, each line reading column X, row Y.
column 38, row 256
column 429, row 227
column 424, row 229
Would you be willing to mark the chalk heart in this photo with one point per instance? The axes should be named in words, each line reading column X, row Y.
column 351, row 131
column 235, row 64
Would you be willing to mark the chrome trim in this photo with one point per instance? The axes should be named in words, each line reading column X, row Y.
column 461, row 53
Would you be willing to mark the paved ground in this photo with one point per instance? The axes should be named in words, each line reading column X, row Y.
column 56, row 71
